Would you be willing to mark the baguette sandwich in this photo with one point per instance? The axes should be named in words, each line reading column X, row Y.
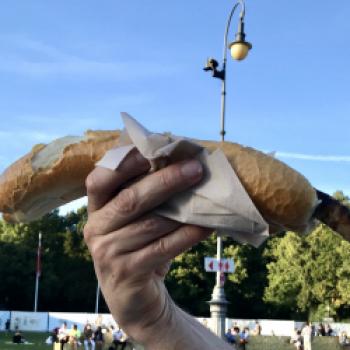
column 54, row 174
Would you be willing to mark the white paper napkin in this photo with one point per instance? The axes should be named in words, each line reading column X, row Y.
column 219, row 201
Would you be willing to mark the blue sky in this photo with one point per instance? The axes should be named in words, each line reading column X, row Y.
column 67, row 66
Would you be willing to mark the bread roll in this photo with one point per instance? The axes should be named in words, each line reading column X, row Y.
column 51, row 175
column 54, row 174
column 284, row 197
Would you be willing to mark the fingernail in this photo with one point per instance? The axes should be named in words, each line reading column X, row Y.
column 191, row 169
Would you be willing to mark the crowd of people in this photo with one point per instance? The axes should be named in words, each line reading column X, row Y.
column 91, row 338
column 238, row 338
column 97, row 337
column 301, row 338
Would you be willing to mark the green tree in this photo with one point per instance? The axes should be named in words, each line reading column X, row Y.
column 340, row 196
column 67, row 281
column 188, row 283
column 191, row 286
column 245, row 287
column 284, row 272
column 306, row 273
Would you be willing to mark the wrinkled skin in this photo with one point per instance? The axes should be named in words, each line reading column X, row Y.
column 132, row 247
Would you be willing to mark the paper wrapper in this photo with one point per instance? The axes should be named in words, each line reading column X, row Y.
column 219, row 201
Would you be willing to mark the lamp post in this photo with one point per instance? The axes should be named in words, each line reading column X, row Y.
column 239, row 50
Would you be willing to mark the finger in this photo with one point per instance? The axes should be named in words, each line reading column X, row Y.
column 144, row 196
column 136, row 235
column 102, row 183
column 168, row 247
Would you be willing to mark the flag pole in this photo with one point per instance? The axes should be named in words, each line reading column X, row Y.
column 38, row 273
column 97, row 297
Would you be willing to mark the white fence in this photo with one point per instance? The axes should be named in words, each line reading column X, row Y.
column 29, row 321
column 80, row 319
column 4, row 316
column 47, row 321
column 268, row 327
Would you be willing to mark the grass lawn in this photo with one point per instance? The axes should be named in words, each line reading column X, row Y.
column 38, row 340
column 255, row 343
column 281, row 343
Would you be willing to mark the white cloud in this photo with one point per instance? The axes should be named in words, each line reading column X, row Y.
column 49, row 60
column 17, row 42
column 87, row 69
column 322, row 158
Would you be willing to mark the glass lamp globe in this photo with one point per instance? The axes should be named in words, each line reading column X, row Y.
column 239, row 50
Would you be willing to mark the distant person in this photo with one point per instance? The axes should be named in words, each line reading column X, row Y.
column 54, row 335
column 343, row 339
column 205, row 323
column 236, row 334
column 321, row 330
column 314, row 330
column 18, row 337
column 328, row 330
column 63, row 334
column 297, row 340
column 243, row 339
column 230, row 338
column 88, row 336
column 74, row 337
column 7, row 325
column 257, row 329
column 307, row 336
column 118, row 339
column 99, row 338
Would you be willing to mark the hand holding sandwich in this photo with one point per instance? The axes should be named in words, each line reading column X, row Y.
column 132, row 248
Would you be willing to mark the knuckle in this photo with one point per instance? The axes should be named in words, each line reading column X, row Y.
column 161, row 247
column 126, row 201
column 97, row 251
column 167, row 178
column 187, row 232
column 88, row 232
column 91, row 183
column 150, row 224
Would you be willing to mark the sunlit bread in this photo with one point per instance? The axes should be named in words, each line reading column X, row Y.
column 52, row 175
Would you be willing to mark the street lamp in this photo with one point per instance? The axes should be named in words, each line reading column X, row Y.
column 239, row 50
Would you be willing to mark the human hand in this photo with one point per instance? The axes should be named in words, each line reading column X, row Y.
column 131, row 247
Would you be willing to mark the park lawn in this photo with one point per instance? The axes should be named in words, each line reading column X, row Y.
column 38, row 340
column 255, row 343
column 281, row 343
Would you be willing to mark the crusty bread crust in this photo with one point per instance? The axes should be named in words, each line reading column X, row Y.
column 26, row 194
column 282, row 195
